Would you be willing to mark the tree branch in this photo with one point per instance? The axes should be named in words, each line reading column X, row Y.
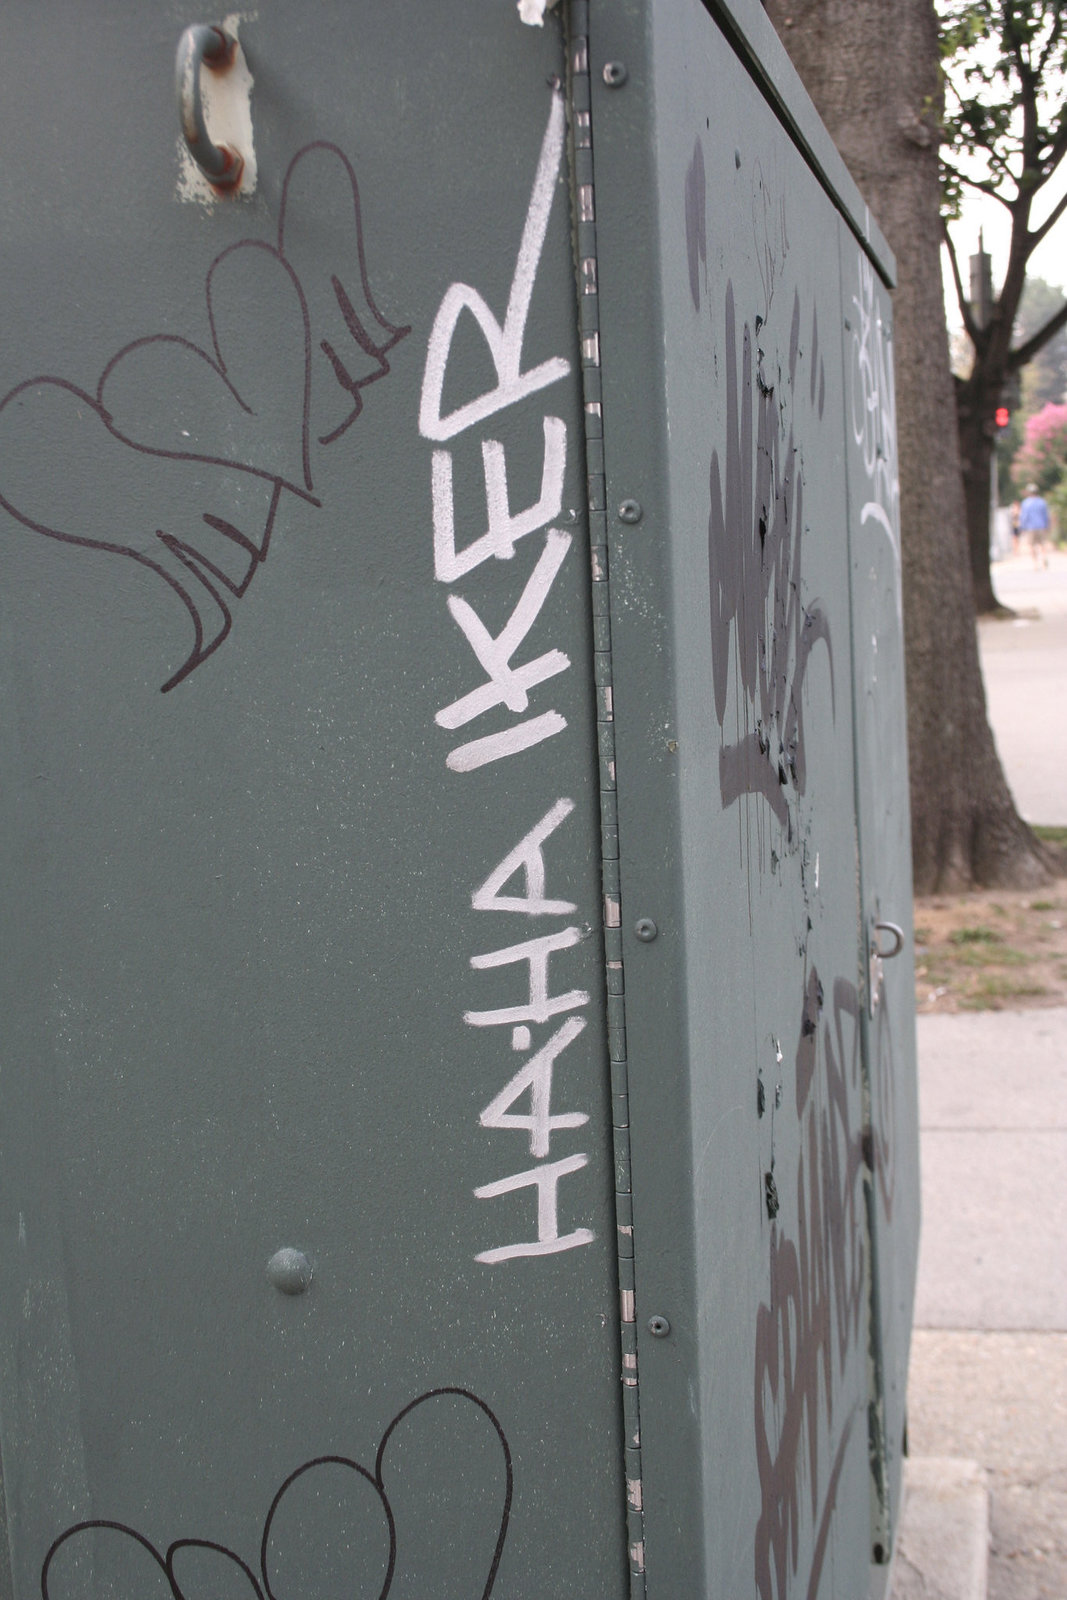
column 1057, row 151
column 986, row 185
column 1050, row 221
column 1037, row 341
column 970, row 327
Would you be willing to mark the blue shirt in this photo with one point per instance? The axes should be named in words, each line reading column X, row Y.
column 1033, row 515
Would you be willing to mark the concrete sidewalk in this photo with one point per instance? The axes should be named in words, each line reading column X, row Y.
column 986, row 1511
column 1024, row 664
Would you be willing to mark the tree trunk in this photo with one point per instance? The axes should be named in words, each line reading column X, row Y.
column 872, row 71
column 976, row 461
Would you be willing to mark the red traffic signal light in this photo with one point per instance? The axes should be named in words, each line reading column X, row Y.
column 1002, row 416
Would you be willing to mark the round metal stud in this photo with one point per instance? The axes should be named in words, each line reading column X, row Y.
column 289, row 1270
column 615, row 74
column 658, row 1327
column 645, row 929
column 630, row 511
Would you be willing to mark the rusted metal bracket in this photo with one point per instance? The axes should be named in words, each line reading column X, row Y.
column 205, row 45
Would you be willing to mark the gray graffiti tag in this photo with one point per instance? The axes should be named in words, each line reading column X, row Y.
column 755, row 540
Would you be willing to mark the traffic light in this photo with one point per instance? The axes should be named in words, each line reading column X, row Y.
column 1002, row 417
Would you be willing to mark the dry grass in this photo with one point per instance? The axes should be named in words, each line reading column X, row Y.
column 994, row 950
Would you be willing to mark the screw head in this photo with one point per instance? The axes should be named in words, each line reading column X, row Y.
column 615, row 74
column 645, row 929
column 658, row 1327
column 630, row 511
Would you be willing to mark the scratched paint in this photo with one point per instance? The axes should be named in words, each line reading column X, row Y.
column 502, row 713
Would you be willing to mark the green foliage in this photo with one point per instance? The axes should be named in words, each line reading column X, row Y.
column 1045, row 379
column 1005, row 116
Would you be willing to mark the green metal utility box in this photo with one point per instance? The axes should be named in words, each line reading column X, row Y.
column 457, row 1109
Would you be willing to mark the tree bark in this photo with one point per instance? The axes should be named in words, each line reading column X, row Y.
column 975, row 409
column 872, row 71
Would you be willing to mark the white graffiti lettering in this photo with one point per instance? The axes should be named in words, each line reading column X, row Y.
column 509, row 686
column 507, row 689
column 549, row 1239
column 874, row 426
column 536, row 1077
column 505, row 343
column 541, row 1005
column 528, row 855
column 505, row 529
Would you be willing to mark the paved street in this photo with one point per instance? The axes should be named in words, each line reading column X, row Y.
column 989, row 1359
column 989, row 1356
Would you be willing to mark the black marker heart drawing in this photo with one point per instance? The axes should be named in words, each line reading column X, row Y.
column 239, row 421
column 413, row 1525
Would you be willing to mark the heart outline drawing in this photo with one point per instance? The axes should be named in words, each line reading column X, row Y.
column 95, row 469
column 372, row 1482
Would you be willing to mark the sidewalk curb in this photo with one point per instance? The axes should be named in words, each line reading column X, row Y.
column 943, row 1540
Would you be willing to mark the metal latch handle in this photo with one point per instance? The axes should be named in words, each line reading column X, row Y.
column 204, row 45
column 897, row 935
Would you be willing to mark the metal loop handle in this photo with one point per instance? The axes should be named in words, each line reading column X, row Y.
column 205, row 46
column 897, row 936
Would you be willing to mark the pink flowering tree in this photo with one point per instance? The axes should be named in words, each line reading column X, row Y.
column 1042, row 459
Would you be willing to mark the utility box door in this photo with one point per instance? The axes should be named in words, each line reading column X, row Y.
column 302, row 970
column 756, row 827
column 885, row 849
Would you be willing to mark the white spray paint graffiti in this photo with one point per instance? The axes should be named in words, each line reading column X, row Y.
column 507, row 687
column 874, row 428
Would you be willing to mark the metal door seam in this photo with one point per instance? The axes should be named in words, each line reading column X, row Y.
column 584, row 212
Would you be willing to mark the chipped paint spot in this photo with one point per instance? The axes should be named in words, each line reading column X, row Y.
column 532, row 12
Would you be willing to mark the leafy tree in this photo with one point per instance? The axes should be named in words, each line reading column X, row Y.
column 1003, row 124
column 1045, row 378
column 873, row 71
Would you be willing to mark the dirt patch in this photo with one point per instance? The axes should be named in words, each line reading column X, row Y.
column 991, row 951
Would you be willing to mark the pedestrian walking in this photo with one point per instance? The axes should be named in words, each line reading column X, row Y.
column 1034, row 523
